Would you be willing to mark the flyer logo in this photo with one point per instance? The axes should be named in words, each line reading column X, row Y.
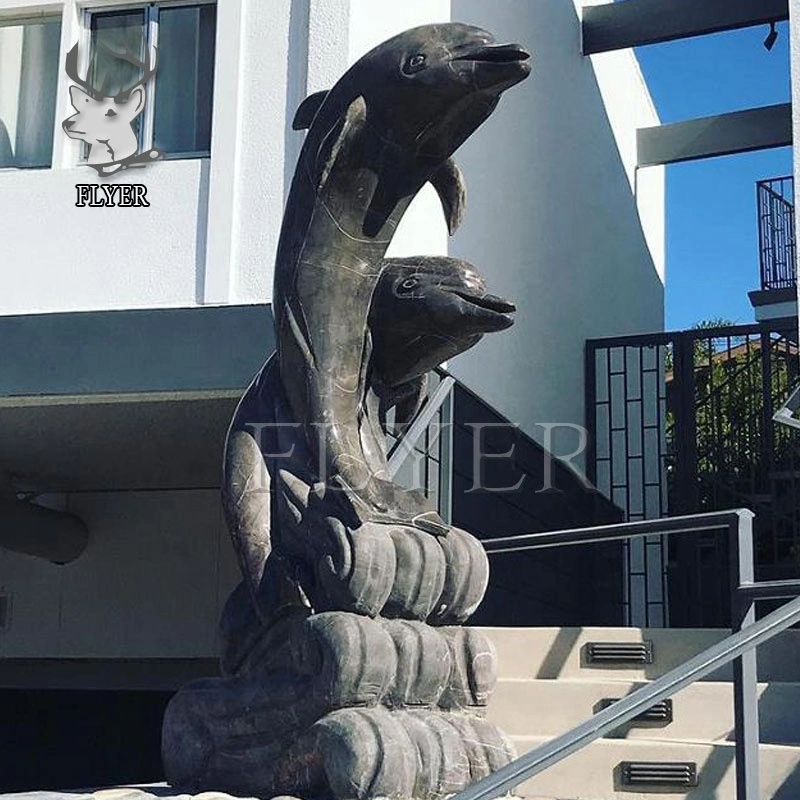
column 105, row 122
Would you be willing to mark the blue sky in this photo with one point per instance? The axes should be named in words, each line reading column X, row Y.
column 712, row 234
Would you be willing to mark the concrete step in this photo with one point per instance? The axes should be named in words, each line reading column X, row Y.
column 702, row 712
column 549, row 653
column 594, row 773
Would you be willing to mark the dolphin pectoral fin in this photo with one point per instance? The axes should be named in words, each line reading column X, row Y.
column 408, row 401
column 449, row 183
column 307, row 110
column 351, row 123
column 431, row 522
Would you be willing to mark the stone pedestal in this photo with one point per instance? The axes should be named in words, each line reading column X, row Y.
column 341, row 705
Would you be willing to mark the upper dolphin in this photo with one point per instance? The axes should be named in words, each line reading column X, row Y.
column 389, row 125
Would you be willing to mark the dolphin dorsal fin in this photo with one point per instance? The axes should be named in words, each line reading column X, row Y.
column 307, row 110
column 449, row 183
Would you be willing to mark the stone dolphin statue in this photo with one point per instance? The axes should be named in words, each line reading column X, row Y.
column 425, row 310
column 387, row 127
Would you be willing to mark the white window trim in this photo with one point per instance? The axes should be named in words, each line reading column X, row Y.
column 75, row 26
column 151, row 15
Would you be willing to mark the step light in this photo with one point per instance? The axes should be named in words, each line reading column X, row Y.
column 658, row 714
column 658, row 773
column 621, row 653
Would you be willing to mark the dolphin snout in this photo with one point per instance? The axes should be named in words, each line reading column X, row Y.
column 491, row 302
column 496, row 53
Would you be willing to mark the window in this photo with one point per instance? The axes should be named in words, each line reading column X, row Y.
column 177, row 114
column 29, row 70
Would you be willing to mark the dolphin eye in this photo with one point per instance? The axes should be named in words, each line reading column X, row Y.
column 409, row 283
column 414, row 63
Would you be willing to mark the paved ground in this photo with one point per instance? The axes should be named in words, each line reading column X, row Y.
column 156, row 792
column 121, row 793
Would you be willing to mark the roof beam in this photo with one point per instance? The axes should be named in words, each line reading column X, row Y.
column 722, row 135
column 632, row 23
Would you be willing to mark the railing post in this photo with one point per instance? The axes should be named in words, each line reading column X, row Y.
column 745, row 677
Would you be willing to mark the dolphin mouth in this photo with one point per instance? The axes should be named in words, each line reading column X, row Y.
column 497, row 54
column 491, row 302
column 491, row 312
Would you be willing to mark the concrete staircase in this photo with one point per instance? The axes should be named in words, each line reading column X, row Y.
column 547, row 685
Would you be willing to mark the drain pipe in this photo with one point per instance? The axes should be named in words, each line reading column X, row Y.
column 38, row 531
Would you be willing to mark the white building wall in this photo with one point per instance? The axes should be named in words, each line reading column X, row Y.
column 55, row 256
column 552, row 218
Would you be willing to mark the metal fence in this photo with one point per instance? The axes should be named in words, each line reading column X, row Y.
column 776, row 233
column 681, row 423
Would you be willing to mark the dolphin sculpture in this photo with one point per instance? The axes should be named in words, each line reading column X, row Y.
column 388, row 126
column 425, row 310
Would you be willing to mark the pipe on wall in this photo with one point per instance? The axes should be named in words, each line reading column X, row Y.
column 37, row 531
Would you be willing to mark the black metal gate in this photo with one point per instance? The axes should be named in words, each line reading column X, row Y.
column 681, row 423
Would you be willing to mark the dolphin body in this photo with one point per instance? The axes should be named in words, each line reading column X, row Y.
column 425, row 310
column 388, row 126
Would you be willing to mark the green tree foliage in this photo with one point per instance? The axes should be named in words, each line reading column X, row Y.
column 743, row 458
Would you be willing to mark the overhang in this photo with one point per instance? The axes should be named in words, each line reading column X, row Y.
column 124, row 400
column 633, row 23
column 720, row 135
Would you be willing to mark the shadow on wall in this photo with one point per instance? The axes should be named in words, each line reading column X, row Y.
column 573, row 586
column 568, row 245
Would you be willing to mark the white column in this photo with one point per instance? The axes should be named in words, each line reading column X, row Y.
column 226, row 140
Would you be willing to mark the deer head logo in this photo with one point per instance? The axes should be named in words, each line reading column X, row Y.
column 104, row 122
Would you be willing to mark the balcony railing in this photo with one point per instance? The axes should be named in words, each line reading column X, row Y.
column 776, row 233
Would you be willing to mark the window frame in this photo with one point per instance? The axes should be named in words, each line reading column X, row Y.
column 151, row 26
column 28, row 16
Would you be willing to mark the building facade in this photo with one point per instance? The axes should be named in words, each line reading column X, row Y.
column 129, row 332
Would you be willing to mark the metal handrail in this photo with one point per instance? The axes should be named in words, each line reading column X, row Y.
column 611, row 718
column 745, row 593
column 408, row 441
column 691, row 523
column 738, row 648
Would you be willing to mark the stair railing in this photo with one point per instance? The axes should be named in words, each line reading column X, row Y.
column 738, row 648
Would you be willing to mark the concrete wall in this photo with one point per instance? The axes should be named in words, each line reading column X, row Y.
column 552, row 218
column 150, row 584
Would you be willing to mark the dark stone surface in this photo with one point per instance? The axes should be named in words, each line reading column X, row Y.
column 346, row 675
column 388, row 126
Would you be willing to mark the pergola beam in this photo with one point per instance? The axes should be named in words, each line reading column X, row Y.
column 633, row 23
column 721, row 135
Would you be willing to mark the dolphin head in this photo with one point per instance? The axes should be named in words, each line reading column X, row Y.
column 427, row 309
column 415, row 99
column 430, row 87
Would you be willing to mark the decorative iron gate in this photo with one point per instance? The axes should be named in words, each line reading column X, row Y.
column 681, row 423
